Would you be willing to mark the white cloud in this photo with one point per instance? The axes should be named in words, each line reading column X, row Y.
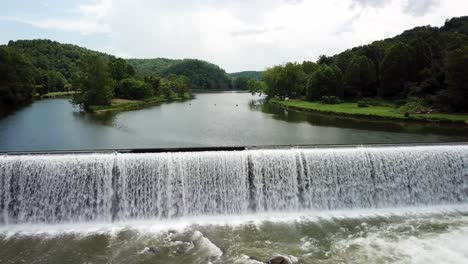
column 249, row 34
column 420, row 7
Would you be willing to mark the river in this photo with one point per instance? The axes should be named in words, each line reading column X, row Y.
column 211, row 119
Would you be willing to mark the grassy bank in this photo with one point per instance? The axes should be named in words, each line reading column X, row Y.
column 57, row 95
column 384, row 112
column 120, row 105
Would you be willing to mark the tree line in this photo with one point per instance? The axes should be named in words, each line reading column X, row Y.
column 201, row 74
column 37, row 67
column 426, row 63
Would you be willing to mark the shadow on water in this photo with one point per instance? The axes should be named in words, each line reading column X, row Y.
column 330, row 120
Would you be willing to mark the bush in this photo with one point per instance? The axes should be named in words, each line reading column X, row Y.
column 415, row 106
column 330, row 100
column 362, row 103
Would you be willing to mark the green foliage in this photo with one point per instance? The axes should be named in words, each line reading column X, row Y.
column 151, row 67
column 51, row 58
column 285, row 80
column 308, row 67
column 16, row 82
column 166, row 90
column 395, row 68
column 256, row 86
column 119, row 69
column 179, row 84
column 415, row 106
column 154, row 82
column 240, row 83
column 202, row 75
column 133, row 89
column 360, row 77
column 94, row 83
column 247, row 74
column 325, row 60
column 325, row 81
column 456, row 68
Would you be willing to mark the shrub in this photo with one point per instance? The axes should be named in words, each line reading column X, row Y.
column 415, row 106
column 330, row 100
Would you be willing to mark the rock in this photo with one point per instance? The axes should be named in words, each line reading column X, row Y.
column 153, row 250
column 280, row 260
column 150, row 250
column 183, row 247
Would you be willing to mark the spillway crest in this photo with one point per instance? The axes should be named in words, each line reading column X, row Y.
column 111, row 187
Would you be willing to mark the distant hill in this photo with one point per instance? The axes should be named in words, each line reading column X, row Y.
column 149, row 67
column 202, row 75
column 52, row 58
column 247, row 74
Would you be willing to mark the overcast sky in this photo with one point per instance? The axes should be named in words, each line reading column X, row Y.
column 235, row 34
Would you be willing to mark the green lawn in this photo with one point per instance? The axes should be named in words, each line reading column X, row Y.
column 388, row 111
column 58, row 95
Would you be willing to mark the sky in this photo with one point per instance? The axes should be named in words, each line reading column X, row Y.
column 237, row 35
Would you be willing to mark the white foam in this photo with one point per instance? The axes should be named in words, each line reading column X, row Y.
column 159, row 226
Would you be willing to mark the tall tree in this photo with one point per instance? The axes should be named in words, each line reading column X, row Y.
column 16, row 80
column 395, row 71
column 120, row 69
column 94, row 83
column 325, row 81
column 360, row 78
column 456, row 67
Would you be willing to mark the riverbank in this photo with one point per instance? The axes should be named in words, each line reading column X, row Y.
column 121, row 105
column 55, row 95
column 381, row 112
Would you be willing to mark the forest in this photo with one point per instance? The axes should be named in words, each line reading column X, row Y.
column 201, row 74
column 30, row 68
column 424, row 69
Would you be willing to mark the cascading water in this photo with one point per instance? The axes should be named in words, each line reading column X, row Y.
column 109, row 187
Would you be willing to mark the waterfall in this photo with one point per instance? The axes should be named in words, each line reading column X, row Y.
column 114, row 186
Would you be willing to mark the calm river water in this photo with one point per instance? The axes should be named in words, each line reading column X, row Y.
column 211, row 119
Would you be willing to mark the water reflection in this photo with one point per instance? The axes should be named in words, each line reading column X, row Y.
column 330, row 120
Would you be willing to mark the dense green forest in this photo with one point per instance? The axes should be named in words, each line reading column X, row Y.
column 240, row 80
column 247, row 74
column 201, row 74
column 425, row 69
column 150, row 67
column 37, row 67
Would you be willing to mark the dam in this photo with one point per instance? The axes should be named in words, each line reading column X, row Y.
column 108, row 187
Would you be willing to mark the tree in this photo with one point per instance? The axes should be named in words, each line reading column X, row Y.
column 240, row 83
column 360, row 78
column 285, row 80
column 179, row 85
column 16, row 80
column 165, row 87
column 325, row 81
column 394, row 70
column 120, row 69
column 256, row 86
column 308, row 67
column 94, row 83
column 325, row 60
column 202, row 75
column 133, row 89
column 456, row 67
column 154, row 82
